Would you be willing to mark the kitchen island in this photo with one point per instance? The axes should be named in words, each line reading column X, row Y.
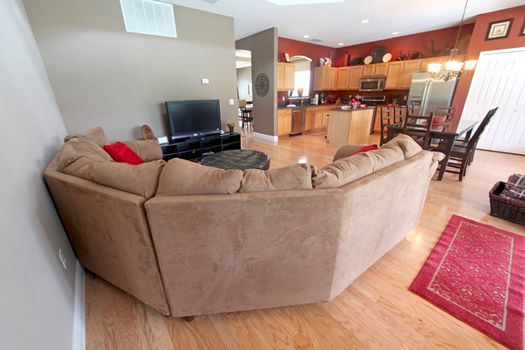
column 349, row 126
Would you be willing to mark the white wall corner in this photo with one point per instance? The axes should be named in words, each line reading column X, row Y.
column 79, row 315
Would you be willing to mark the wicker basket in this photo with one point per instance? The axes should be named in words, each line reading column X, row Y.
column 506, row 208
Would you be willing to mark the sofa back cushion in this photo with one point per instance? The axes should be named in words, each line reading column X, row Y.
column 182, row 177
column 96, row 135
column 346, row 170
column 83, row 158
column 141, row 179
column 294, row 177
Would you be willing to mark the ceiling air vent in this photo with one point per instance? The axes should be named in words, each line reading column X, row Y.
column 149, row 17
column 316, row 40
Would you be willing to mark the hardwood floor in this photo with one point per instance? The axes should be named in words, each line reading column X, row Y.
column 375, row 312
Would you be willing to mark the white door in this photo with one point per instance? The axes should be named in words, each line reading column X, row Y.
column 499, row 81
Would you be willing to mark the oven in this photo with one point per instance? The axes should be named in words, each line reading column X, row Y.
column 372, row 84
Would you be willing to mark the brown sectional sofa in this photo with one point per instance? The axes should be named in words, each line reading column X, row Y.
column 209, row 241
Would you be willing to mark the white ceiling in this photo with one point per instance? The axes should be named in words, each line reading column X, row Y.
column 341, row 22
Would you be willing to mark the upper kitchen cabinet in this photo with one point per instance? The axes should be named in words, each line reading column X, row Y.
column 393, row 75
column 343, row 78
column 285, row 76
column 325, row 78
column 374, row 70
column 355, row 76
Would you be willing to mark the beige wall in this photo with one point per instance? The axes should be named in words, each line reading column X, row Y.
column 102, row 75
column 263, row 46
column 36, row 293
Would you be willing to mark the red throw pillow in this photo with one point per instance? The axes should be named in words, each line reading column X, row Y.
column 366, row 149
column 120, row 152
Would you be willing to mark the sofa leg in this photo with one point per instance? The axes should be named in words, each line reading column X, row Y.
column 188, row 318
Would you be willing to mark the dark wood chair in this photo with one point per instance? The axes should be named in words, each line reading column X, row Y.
column 463, row 152
column 246, row 114
column 399, row 114
column 418, row 127
column 386, row 119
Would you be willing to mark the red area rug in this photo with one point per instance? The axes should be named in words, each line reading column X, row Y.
column 476, row 273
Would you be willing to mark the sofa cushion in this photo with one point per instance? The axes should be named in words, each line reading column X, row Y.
column 75, row 155
column 182, row 177
column 346, row 170
column 122, row 153
column 347, row 151
column 294, row 177
column 408, row 146
column 141, row 179
column 96, row 135
column 83, row 158
column 146, row 149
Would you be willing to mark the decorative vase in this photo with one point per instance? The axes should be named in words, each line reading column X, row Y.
column 300, row 91
column 231, row 126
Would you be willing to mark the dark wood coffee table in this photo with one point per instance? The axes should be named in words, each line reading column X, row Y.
column 238, row 159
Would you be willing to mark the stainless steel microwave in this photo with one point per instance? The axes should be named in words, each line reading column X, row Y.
column 372, row 84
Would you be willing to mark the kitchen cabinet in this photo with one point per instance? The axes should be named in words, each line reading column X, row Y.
column 285, row 76
column 368, row 70
column 409, row 68
column 325, row 78
column 375, row 70
column 343, row 78
column 355, row 77
column 380, row 69
column 316, row 117
column 284, row 121
column 393, row 75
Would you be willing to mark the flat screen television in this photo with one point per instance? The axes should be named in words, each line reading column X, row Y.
column 193, row 118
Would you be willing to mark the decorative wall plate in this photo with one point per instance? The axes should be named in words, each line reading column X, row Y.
column 368, row 59
column 387, row 57
column 262, row 84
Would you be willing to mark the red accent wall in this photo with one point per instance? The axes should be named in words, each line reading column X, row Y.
column 420, row 42
column 313, row 51
column 478, row 44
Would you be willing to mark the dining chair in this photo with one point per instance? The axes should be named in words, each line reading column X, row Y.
column 399, row 114
column 386, row 120
column 418, row 127
column 462, row 153
column 246, row 114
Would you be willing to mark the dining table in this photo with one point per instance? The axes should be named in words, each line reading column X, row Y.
column 447, row 136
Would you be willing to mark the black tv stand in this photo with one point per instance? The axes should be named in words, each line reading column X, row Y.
column 198, row 147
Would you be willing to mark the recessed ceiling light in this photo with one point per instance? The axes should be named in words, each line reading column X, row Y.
column 340, row 44
column 366, row 20
column 395, row 33
column 306, row 36
column 303, row 2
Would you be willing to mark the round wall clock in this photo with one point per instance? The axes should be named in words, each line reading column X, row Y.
column 262, row 84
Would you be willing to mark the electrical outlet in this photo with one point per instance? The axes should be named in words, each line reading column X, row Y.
column 62, row 258
column 205, row 81
column 231, row 102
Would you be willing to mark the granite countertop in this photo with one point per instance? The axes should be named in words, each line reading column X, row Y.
column 352, row 110
column 319, row 105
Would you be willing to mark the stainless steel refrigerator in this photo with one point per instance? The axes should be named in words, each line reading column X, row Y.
column 426, row 94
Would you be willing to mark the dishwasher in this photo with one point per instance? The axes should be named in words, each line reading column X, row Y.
column 298, row 119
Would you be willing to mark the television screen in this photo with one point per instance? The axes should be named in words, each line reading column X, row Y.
column 193, row 118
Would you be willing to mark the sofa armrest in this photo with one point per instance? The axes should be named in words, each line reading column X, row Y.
column 148, row 150
column 346, row 151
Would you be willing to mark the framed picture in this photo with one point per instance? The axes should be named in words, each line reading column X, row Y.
column 522, row 31
column 499, row 29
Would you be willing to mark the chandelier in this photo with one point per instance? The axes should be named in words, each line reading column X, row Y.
column 454, row 66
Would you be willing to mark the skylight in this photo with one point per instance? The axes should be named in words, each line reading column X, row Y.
column 149, row 17
column 303, row 2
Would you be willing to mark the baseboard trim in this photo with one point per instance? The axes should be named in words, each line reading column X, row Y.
column 265, row 137
column 79, row 324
